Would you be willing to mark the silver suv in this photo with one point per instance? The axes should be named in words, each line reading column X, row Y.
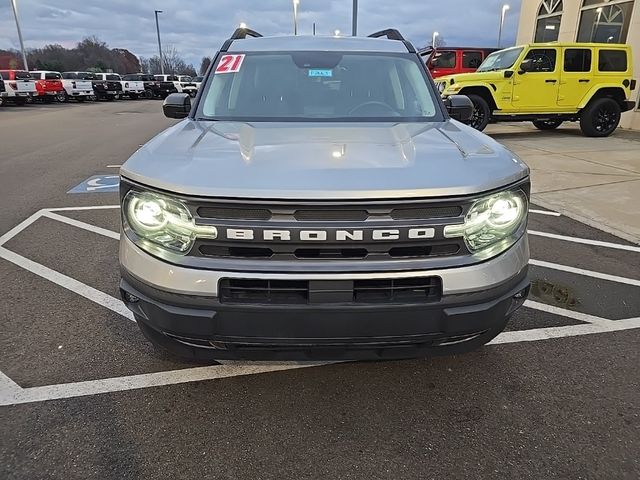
column 318, row 200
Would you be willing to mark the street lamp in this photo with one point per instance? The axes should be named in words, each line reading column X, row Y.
column 15, row 14
column 159, row 44
column 336, row 33
column 433, row 39
column 505, row 7
column 295, row 16
column 242, row 25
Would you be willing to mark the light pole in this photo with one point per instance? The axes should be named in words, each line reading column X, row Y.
column 15, row 14
column 295, row 16
column 433, row 39
column 505, row 7
column 354, row 19
column 242, row 25
column 336, row 33
column 159, row 44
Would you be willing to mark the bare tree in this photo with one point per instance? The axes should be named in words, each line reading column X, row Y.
column 174, row 64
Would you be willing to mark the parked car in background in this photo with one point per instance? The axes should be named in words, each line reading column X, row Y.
column 113, row 79
column 198, row 82
column 49, row 85
column 103, row 88
column 19, row 86
column 154, row 88
column 182, row 83
column 130, row 88
column 188, row 85
column 77, row 85
column 550, row 83
column 451, row 60
column 3, row 91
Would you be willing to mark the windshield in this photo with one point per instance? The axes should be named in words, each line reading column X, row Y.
column 500, row 60
column 198, row 79
column 319, row 86
column 112, row 77
column 21, row 75
column 185, row 79
column 87, row 76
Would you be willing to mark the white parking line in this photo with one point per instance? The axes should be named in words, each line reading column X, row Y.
column 69, row 283
column 85, row 226
column 582, row 271
column 582, row 317
column 544, row 212
column 114, row 166
column 132, row 382
column 75, row 209
column 585, row 241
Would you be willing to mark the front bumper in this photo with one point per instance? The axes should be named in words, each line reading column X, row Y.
column 197, row 325
column 628, row 105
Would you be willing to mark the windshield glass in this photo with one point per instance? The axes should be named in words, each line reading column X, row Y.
column 319, row 86
column 185, row 79
column 113, row 77
column 500, row 60
column 198, row 79
column 87, row 76
column 21, row 75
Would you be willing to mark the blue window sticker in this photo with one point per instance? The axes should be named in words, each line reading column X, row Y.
column 320, row 73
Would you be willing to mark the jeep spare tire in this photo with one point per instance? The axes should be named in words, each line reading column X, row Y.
column 600, row 117
column 481, row 113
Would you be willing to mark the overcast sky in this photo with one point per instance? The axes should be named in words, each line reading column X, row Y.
column 198, row 28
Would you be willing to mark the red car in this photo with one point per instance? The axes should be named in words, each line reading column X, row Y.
column 450, row 60
column 48, row 85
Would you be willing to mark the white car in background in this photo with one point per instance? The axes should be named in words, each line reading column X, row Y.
column 183, row 83
column 198, row 82
column 188, row 85
column 130, row 88
column 19, row 86
column 78, row 86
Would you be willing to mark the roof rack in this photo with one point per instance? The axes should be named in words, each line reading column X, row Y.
column 423, row 52
column 393, row 34
column 239, row 34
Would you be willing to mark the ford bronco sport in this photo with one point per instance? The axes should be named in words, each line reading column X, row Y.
column 318, row 200
column 550, row 83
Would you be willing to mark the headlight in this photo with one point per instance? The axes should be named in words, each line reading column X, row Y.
column 493, row 223
column 160, row 221
column 442, row 86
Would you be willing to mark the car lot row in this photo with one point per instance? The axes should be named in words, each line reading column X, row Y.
column 21, row 87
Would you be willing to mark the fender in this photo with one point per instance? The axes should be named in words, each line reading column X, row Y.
column 626, row 92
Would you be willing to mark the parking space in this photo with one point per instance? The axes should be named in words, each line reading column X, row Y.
column 83, row 394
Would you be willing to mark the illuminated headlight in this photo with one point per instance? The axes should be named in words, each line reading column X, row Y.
column 493, row 223
column 442, row 86
column 162, row 222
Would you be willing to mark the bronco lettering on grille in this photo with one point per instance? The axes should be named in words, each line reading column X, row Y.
column 330, row 235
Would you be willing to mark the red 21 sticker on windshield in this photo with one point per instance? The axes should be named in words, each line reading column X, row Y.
column 230, row 63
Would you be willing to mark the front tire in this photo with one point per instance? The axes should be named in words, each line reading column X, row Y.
column 547, row 124
column 481, row 113
column 600, row 118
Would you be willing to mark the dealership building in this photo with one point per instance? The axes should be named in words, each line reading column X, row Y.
column 612, row 21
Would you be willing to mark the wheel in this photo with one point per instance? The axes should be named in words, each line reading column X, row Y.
column 62, row 97
column 600, row 117
column 1, row 101
column 547, row 124
column 148, row 94
column 481, row 113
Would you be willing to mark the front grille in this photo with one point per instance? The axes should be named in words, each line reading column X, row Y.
column 254, row 217
column 304, row 292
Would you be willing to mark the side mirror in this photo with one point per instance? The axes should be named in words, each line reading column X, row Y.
column 508, row 73
column 177, row 105
column 460, row 107
column 526, row 66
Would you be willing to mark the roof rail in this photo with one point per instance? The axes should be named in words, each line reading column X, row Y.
column 390, row 33
column 423, row 52
column 393, row 34
column 239, row 34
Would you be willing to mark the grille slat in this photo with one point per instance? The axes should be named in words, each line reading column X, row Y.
column 287, row 292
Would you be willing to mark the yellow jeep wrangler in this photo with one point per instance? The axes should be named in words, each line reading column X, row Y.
column 550, row 83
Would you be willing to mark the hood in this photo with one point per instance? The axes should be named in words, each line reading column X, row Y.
column 323, row 160
column 474, row 77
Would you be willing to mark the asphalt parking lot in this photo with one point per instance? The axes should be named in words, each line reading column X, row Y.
column 83, row 395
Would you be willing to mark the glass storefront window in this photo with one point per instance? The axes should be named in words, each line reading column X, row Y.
column 605, row 22
column 548, row 21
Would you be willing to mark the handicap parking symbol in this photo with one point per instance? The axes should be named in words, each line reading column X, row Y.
column 98, row 183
